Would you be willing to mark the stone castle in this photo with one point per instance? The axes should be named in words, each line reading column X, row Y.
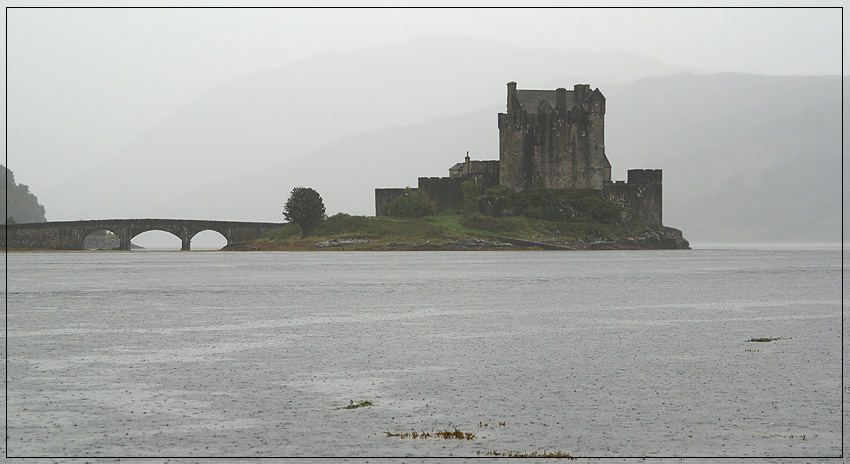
column 549, row 139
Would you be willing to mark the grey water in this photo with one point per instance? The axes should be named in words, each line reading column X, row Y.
column 597, row 354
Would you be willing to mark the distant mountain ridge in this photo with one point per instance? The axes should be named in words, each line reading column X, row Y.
column 264, row 118
column 726, row 142
column 348, row 123
column 761, row 178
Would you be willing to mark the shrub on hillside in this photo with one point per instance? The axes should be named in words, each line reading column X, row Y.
column 570, row 205
column 471, row 191
column 413, row 204
column 498, row 191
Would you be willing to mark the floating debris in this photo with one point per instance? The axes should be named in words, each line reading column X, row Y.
column 533, row 454
column 444, row 434
column 790, row 437
column 767, row 339
column 358, row 404
column 484, row 424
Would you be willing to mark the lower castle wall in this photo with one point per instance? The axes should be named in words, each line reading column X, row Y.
column 641, row 194
column 486, row 180
column 383, row 197
column 446, row 192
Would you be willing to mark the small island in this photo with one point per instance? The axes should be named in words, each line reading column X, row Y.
column 564, row 219
column 551, row 188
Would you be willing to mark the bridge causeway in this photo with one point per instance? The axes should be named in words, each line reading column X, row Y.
column 71, row 235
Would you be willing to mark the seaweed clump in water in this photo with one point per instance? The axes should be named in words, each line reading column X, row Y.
column 444, row 434
column 533, row 454
column 358, row 404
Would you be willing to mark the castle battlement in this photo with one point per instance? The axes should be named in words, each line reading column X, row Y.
column 548, row 139
column 641, row 194
column 553, row 139
column 644, row 176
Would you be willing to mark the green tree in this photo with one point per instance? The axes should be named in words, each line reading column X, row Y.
column 305, row 208
column 471, row 191
column 413, row 203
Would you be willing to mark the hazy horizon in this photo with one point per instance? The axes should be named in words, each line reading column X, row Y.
column 85, row 84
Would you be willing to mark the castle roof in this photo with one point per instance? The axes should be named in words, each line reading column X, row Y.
column 531, row 100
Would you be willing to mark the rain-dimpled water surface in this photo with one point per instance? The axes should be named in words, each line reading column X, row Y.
column 643, row 353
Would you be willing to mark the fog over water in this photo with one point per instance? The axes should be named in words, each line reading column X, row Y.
column 218, row 113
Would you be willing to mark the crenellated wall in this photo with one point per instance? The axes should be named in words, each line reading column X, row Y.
column 641, row 194
column 446, row 192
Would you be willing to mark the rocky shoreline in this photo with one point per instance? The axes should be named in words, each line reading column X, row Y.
column 105, row 242
column 666, row 238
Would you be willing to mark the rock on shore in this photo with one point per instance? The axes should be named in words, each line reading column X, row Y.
column 105, row 242
column 665, row 238
column 335, row 242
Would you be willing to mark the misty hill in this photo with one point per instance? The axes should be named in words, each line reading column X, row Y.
column 746, row 158
column 22, row 204
column 347, row 171
column 265, row 118
column 742, row 159
column 383, row 116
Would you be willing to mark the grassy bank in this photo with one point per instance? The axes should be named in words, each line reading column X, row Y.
column 442, row 231
column 547, row 219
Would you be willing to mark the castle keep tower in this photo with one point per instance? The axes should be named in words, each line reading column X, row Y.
column 553, row 139
column 548, row 139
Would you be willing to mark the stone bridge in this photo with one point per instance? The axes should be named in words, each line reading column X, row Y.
column 70, row 235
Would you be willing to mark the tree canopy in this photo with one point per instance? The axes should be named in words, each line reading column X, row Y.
column 413, row 203
column 305, row 208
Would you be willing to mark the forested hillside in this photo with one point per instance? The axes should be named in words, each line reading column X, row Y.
column 22, row 205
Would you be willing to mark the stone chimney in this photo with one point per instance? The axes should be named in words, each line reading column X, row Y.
column 512, row 98
column 561, row 101
column 581, row 92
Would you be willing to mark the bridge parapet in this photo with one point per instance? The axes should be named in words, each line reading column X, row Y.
column 70, row 235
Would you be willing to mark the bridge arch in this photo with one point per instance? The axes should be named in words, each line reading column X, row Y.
column 156, row 238
column 100, row 239
column 208, row 239
column 92, row 227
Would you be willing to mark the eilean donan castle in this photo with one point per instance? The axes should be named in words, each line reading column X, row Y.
column 548, row 139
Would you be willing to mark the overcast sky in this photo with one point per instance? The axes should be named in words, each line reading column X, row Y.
column 129, row 68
